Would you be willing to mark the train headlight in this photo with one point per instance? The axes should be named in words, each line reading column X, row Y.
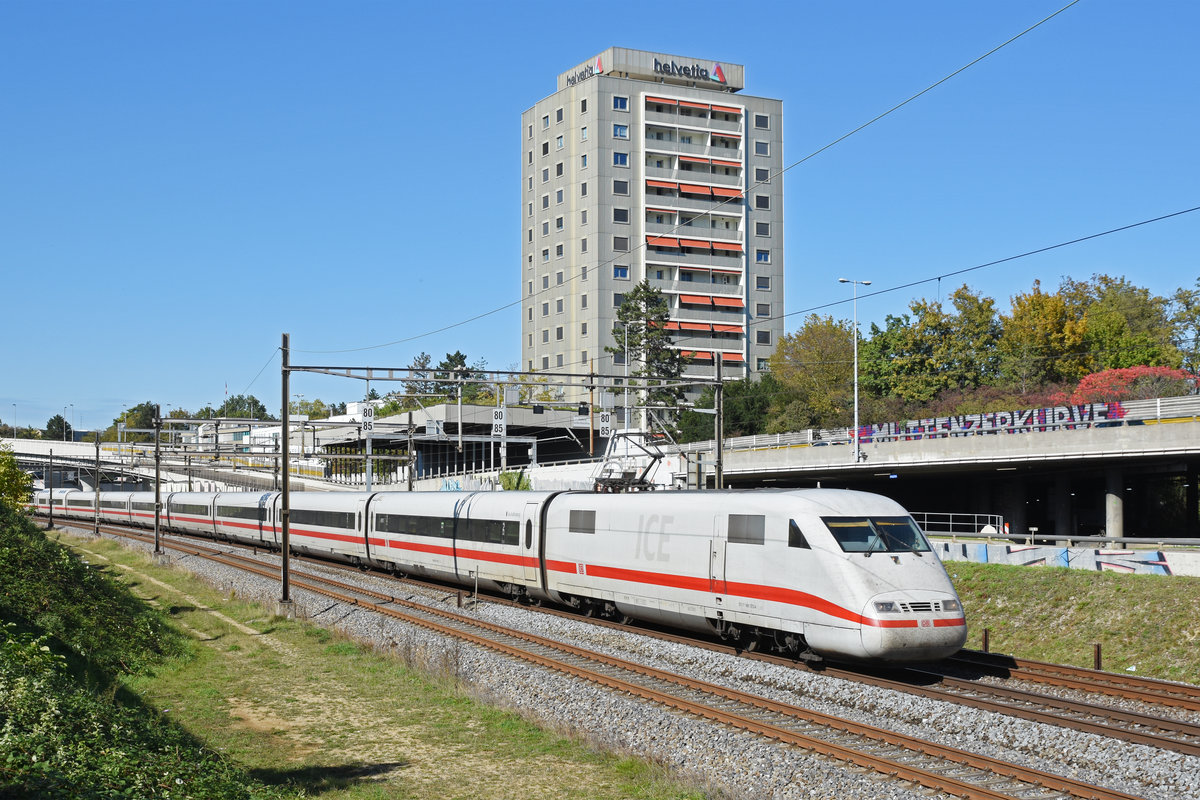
column 886, row 607
column 951, row 605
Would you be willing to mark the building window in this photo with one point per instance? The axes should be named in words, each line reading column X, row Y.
column 558, row 306
column 762, row 202
column 545, row 281
column 583, row 245
column 545, row 254
column 558, row 278
column 531, row 209
column 762, row 175
column 545, row 122
column 583, row 134
column 558, row 115
column 583, row 189
column 545, row 174
column 531, row 307
column 762, row 229
column 545, row 148
column 558, row 360
column 621, row 273
column 531, row 234
column 621, row 244
column 558, row 223
column 558, row 169
column 583, row 106
column 531, row 134
column 583, row 329
column 620, row 187
column 761, row 122
column 530, row 156
column 531, row 182
column 583, row 273
column 620, row 104
column 583, row 161
column 558, row 196
column 583, row 359
column 558, row 333
column 583, row 217
column 762, row 337
column 621, row 215
column 545, row 335
column 618, row 300
column 620, row 131
column 620, row 159
column 764, row 365
column 618, row 360
column 558, row 251
column 545, row 362
column 545, row 229
column 762, row 309
column 762, row 148
column 558, row 143
column 531, row 292
column 545, row 201
column 762, row 282
column 583, row 301
column 762, row 256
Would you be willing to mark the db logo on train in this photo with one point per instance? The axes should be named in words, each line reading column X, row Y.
column 926, row 623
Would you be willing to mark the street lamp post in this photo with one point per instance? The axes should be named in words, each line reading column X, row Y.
column 855, row 284
column 64, row 423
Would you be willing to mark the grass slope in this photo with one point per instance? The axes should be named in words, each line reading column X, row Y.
column 1144, row 622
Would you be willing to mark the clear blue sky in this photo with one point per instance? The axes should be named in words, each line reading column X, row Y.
column 182, row 182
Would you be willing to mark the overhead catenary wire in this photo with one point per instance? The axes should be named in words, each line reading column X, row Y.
column 643, row 245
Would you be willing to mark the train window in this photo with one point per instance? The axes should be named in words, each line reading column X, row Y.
column 189, row 508
column 326, row 519
column 113, row 504
column 256, row 513
column 528, row 534
column 411, row 526
column 582, row 521
column 80, row 503
column 796, row 536
column 747, row 528
column 490, row 531
column 143, row 506
column 872, row 534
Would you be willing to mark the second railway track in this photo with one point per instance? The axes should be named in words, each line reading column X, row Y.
column 947, row 769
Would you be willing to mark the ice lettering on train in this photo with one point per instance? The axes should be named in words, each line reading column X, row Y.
column 650, row 529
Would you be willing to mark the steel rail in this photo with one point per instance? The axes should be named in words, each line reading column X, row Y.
column 898, row 766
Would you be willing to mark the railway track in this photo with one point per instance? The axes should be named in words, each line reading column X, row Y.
column 906, row 758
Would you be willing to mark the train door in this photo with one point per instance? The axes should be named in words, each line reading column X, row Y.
column 530, row 537
column 716, row 558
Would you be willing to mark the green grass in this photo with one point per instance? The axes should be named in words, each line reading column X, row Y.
column 1147, row 622
column 305, row 712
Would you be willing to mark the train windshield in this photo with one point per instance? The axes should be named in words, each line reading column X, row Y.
column 877, row 534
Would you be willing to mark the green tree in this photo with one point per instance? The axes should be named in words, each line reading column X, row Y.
column 813, row 376
column 58, row 429
column 15, row 483
column 1185, row 325
column 1123, row 324
column 1042, row 340
column 245, row 406
column 642, row 328
column 746, row 405
column 140, row 416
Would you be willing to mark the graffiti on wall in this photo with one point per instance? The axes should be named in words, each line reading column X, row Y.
column 1146, row 562
column 1031, row 419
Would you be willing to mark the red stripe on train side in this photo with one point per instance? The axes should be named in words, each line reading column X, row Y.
column 774, row 594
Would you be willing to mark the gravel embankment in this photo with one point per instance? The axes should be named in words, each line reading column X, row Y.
column 738, row 764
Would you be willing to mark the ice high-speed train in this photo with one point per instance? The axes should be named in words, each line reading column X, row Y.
column 812, row 572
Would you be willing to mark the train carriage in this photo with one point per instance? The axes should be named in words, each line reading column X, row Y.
column 190, row 512
column 248, row 517
column 328, row 524
column 141, row 509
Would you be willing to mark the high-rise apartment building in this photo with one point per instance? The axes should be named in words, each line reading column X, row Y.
column 650, row 166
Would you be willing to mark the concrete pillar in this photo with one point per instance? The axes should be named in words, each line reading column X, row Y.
column 1060, row 506
column 1191, row 505
column 1012, row 503
column 1114, row 503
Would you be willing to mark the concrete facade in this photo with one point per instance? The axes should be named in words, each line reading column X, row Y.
column 650, row 166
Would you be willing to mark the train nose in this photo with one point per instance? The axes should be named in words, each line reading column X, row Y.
column 903, row 626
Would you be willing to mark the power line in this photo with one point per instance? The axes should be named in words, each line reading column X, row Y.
column 643, row 245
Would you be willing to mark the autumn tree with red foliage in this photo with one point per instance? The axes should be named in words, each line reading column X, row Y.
column 1133, row 383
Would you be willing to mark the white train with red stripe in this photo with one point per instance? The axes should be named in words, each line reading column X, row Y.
column 813, row 572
